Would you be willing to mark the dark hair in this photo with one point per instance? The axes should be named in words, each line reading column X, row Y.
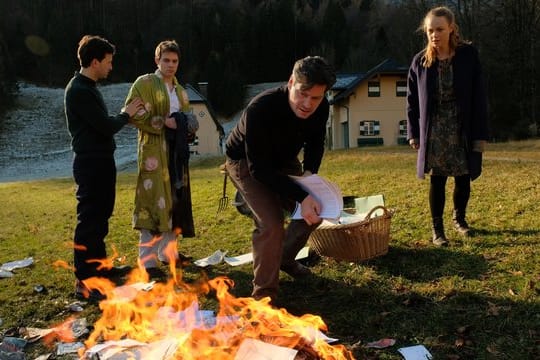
column 167, row 46
column 314, row 70
column 93, row 47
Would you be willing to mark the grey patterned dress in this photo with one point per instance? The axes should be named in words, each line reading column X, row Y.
column 445, row 148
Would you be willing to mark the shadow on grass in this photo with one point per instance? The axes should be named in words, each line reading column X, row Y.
column 459, row 323
column 500, row 236
column 428, row 264
column 464, row 324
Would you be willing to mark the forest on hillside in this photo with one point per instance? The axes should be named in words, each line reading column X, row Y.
column 231, row 43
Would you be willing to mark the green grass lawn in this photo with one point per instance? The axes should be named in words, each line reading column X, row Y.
column 476, row 299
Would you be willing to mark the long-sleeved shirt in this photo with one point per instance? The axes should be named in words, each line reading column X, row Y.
column 88, row 121
column 270, row 137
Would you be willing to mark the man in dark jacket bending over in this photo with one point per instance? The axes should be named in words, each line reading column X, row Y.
column 262, row 150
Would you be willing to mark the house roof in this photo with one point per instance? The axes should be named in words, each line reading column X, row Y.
column 346, row 84
column 196, row 97
column 343, row 81
column 252, row 90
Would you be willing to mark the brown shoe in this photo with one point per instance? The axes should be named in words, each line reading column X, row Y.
column 82, row 292
column 296, row 270
column 182, row 261
column 261, row 294
column 155, row 273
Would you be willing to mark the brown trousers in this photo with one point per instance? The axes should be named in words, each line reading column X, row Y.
column 273, row 245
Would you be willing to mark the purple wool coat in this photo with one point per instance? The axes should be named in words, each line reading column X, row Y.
column 471, row 103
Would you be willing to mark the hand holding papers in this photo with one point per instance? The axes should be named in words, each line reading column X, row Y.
column 325, row 192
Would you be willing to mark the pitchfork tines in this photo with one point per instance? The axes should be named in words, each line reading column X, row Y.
column 224, row 201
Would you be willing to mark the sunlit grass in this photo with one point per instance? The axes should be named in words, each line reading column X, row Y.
column 477, row 299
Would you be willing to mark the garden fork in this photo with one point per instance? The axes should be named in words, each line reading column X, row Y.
column 224, row 201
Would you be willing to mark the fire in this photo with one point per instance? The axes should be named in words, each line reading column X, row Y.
column 168, row 314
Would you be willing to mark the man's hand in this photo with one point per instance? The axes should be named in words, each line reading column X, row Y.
column 133, row 107
column 311, row 210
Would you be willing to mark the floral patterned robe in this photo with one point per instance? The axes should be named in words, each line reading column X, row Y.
column 153, row 198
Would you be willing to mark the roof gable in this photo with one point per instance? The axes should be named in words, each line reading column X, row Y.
column 193, row 94
column 346, row 84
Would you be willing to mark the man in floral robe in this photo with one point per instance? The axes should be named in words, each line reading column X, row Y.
column 162, row 96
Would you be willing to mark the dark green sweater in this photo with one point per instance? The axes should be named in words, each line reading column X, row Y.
column 88, row 121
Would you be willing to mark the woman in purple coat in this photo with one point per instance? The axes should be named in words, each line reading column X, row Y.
column 447, row 117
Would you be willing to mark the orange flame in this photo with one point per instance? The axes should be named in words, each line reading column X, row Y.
column 170, row 311
column 62, row 264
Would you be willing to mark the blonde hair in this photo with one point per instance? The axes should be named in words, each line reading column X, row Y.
column 430, row 53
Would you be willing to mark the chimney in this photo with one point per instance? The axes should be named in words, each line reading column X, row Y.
column 203, row 88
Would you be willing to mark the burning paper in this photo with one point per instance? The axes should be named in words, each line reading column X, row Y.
column 258, row 350
column 164, row 322
column 133, row 350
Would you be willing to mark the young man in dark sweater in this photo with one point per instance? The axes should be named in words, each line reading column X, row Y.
column 94, row 169
column 262, row 151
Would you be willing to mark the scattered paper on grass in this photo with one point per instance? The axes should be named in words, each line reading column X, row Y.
column 5, row 274
column 68, row 348
column 417, row 352
column 213, row 259
column 10, row 266
column 34, row 334
column 381, row 344
column 240, row 259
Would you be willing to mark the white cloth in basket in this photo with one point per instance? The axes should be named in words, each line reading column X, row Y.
column 363, row 205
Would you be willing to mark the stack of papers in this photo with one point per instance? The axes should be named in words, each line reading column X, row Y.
column 326, row 193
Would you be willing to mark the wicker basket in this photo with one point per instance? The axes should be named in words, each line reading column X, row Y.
column 356, row 241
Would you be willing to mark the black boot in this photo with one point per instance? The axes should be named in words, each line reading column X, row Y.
column 439, row 239
column 460, row 224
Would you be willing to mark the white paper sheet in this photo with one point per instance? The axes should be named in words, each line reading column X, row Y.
column 248, row 258
column 213, row 259
column 327, row 193
column 17, row 264
column 251, row 349
column 239, row 260
column 417, row 352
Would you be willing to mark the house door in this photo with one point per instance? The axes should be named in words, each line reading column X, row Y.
column 345, row 132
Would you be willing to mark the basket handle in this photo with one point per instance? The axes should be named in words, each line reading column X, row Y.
column 368, row 216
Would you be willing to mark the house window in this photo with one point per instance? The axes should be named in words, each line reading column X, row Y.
column 403, row 128
column 370, row 128
column 401, row 88
column 374, row 89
